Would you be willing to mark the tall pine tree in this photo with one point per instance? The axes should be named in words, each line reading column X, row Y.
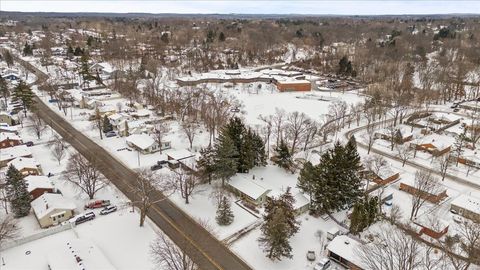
column 17, row 192
column 224, row 212
column 283, row 157
column 23, row 94
column 106, row 125
column 226, row 158
column 279, row 225
column 206, row 164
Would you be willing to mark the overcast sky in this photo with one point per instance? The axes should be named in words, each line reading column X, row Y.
column 249, row 7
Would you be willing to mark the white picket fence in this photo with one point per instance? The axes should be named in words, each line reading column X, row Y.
column 33, row 237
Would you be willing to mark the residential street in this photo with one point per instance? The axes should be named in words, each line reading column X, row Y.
column 200, row 245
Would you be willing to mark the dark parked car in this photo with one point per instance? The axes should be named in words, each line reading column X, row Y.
column 110, row 134
column 156, row 167
column 84, row 218
column 29, row 143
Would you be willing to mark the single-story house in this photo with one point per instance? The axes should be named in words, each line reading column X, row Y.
column 469, row 157
column 143, row 143
column 343, row 249
column 248, row 189
column 11, row 153
column 402, row 134
column 9, row 140
column 52, row 209
column 386, row 175
column 142, row 113
column 467, row 206
column 408, row 185
column 26, row 166
column 179, row 155
column 77, row 254
column 434, row 144
column 431, row 226
column 294, row 85
column 6, row 118
column 5, row 128
column 37, row 185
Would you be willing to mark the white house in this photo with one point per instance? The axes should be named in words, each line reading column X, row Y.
column 52, row 209
column 248, row 189
column 103, row 69
column 143, row 143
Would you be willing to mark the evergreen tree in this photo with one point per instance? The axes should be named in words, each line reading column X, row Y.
column 279, row 225
column 23, row 93
column 221, row 37
column 17, row 192
column 363, row 215
column 247, row 152
column 307, row 179
column 78, row 51
column 27, row 49
column 224, row 212
column 206, row 163
column 106, row 126
column 259, row 148
column 283, row 157
column 4, row 91
column 226, row 158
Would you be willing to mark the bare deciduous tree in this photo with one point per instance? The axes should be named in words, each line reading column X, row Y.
column 443, row 162
column 8, row 228
column 375, row 164
column 149, row 189
column 404, row 152
column 424, row 185
column 161, row 130
column 37, row 125
column 185, row 182
column 190, row 128
column 84, row 175
column 393, row 250
column 58, row 152
column 169, row 256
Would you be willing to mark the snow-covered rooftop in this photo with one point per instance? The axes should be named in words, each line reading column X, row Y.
column 179, row 154
column 346, row 247
column 5, row 136
column 37, row 181
column 23, row 162
column 14, row 152
column 142, row 141
column 467, row 202
column 78, row 254
column 48, row 202
column 248, row 186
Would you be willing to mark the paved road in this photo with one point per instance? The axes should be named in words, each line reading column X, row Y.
column 205, row 250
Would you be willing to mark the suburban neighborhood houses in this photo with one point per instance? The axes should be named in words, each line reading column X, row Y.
column 239, row 141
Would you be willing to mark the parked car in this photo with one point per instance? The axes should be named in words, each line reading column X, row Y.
column 52, row 100
column 457, row 219
column 29, row 143
column 388, row 203
column 453, row 211
column 235, row 110
column 97, row 204
column 84, row 218
column 311, row 255
column 156, row 167
column 109, row 209
column 456, row 110
column 323, row 264
column 162, row 162
column 50, row 174
column 110, row 134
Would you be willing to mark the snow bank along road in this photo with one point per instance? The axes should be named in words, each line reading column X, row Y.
column 198, row 243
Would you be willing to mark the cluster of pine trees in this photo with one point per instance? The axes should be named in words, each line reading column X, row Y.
column 237, row 149
column 364, row 214
column 17, row 192
column 279, row 225
column 335, row 182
